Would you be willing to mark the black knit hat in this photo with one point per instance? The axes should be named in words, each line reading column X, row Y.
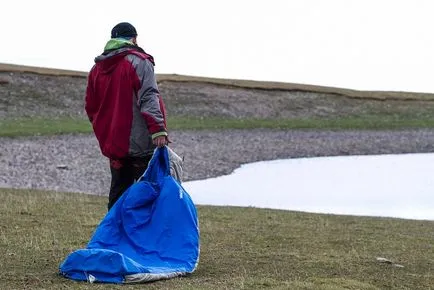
column 124, row 29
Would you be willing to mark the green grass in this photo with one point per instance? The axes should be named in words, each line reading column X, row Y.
column 364, row 122
column 40, row 126
column 241, row 248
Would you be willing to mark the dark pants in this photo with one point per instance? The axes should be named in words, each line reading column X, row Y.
column 124, row 173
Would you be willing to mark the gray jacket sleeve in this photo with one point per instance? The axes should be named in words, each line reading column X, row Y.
column 148, row 96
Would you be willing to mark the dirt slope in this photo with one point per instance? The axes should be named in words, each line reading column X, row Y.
column 24, row 94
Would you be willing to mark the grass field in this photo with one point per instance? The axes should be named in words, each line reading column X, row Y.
column 40, row 126
column 241, row 248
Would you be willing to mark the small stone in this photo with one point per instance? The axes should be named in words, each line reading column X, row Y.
column 384, row 260
column 62, row 166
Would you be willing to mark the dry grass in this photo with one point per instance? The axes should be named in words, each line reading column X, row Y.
column 6, row 67
column 280, row 86
column 241, row 248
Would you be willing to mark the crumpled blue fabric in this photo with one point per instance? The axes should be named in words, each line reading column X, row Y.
column 151, row 233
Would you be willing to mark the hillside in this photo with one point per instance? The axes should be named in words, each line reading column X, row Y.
column 29, row 92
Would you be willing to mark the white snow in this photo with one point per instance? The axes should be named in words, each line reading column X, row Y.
column 398, row 186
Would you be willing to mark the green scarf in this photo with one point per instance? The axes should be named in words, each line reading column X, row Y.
column 116, row 43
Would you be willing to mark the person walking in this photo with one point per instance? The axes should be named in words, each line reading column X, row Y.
column 125, row 107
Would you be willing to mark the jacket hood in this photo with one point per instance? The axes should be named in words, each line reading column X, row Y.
column 116, row 49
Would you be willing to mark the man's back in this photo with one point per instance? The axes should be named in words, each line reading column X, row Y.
column 118, row 83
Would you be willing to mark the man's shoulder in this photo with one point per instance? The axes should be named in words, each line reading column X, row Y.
column 141, row 54
column 138, row 53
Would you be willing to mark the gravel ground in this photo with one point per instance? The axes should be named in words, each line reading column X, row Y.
column 73, row 163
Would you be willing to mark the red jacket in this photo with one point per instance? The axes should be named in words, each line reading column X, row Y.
column 124, row 104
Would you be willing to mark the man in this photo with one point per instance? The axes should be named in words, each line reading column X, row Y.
column 124, row 105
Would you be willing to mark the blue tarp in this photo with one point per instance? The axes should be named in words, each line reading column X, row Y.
column 151, row 233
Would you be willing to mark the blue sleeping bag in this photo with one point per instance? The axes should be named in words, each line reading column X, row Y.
column 151, row 233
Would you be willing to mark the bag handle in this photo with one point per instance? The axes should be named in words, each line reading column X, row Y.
column 159, row 165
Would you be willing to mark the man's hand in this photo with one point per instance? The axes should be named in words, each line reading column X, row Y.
column 160, row 141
